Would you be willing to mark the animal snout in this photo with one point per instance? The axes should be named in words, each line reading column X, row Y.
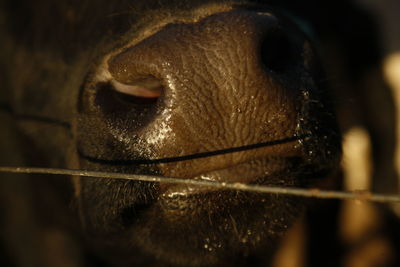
column 232, row 96
column 228, row 80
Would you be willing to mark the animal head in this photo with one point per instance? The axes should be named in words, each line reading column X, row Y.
column 228, row 92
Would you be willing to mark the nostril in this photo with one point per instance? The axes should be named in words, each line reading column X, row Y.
column 280, row 52
column 145, row 89
column 135, row 102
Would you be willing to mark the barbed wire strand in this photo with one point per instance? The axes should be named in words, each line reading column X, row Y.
column 310, row 193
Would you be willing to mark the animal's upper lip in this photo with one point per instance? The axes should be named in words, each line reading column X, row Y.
column 251, row 167
column 248, row 172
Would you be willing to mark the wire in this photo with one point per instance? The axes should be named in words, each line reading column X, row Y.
column 311, row 193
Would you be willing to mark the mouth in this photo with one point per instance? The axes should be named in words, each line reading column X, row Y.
column 288, row 165
column 248, row 172
column 273, row 171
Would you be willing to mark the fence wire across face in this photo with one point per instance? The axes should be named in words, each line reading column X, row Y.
column 311, row 193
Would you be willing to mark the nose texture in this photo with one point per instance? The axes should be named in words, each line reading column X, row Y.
column 229, row 80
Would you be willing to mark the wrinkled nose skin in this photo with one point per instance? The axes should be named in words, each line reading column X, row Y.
column 228, row 81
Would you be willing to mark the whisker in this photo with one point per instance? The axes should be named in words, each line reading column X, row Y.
column 310, row 193
column 211, row 153
column 4, row 108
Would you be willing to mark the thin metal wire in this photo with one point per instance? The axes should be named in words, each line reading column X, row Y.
column 311, row 193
